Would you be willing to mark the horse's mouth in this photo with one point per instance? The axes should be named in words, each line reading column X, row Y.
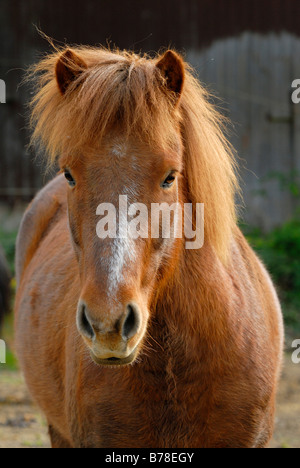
column 115, row 362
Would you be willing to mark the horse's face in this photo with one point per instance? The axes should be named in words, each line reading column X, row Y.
column 119, row 275
column 120, row 271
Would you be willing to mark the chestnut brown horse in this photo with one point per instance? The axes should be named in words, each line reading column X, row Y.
column 140, row 342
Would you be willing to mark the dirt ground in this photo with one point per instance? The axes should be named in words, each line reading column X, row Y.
column 23, row 426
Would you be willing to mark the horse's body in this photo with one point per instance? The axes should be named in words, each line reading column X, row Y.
column 208, row 364
column 4, row 287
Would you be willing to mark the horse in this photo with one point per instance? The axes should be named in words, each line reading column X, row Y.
column 140, row 342
column 4, row 287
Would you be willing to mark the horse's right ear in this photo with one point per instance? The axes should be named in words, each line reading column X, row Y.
column 68, row 68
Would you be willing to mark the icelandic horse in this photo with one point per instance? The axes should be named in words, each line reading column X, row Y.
column 140, row 342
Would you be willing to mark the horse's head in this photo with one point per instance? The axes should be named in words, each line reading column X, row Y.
column 111, row 189
column 125, row 128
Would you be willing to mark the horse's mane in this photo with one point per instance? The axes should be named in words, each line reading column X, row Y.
column 122, row 90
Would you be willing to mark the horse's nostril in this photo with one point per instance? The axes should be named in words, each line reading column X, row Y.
column 84, row 324
column 131, row 322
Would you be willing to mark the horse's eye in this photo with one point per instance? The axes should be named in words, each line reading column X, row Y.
column 69, row 177
column 169, row 181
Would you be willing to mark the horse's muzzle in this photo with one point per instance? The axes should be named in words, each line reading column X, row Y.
column 112, row 341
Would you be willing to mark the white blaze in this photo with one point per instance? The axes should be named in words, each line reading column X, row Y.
column 123, row 250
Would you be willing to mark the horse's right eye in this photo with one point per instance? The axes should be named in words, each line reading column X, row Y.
column 69, row 178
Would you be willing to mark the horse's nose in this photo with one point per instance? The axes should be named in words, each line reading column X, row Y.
column 125, row 327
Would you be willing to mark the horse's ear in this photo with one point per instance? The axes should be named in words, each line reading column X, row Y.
column 171, row 67
column 68, row 68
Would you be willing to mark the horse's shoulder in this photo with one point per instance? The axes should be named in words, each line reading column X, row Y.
column 36, row 220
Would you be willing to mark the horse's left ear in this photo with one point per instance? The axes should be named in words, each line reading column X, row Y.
column 68, row 68
column 171, row 67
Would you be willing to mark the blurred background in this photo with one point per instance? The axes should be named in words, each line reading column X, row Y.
column 247, row 53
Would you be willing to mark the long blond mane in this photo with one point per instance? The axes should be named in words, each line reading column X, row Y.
column 122, row 91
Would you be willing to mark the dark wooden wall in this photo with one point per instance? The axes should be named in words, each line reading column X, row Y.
column 202, row 30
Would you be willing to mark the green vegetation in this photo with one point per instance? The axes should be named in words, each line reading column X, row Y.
column 280, row 251
column 8, row 242
column 7, row 334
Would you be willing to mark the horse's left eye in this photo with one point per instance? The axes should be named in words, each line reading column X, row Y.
column 69, row 177
column 169, row 181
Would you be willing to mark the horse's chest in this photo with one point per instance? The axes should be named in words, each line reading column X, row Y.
column 149, row 421
column 167, row 415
